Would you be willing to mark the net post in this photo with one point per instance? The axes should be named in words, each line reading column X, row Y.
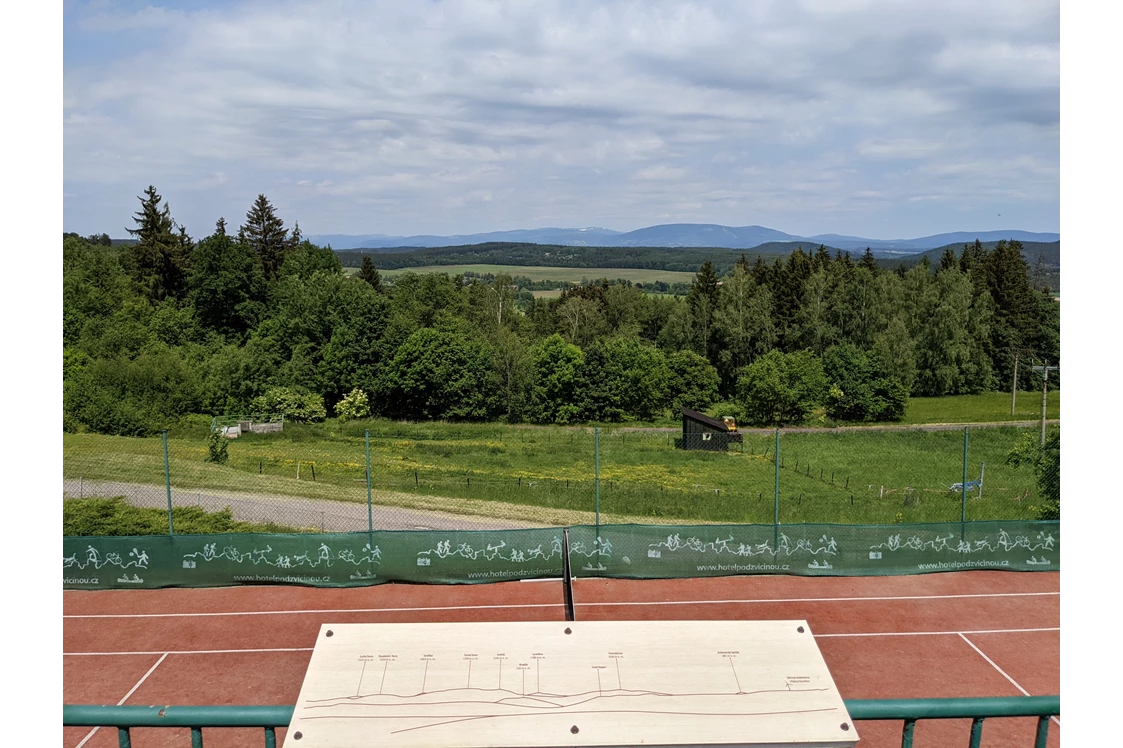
column 168, row 482
column 567, row 577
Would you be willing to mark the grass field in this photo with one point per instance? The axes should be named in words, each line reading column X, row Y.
column 843, row 476
column 535, row 273
column 983, row 408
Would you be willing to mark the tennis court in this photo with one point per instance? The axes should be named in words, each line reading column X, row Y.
column 953, row 634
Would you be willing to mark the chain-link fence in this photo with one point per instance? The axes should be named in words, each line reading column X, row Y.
column 392, row 476
column 843, row 476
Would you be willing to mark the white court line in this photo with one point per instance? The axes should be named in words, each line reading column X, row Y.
column 940, row 633
column 995, row 664
column 817, row 636
column 318, row 611
column 190, row 652
column 125, row 698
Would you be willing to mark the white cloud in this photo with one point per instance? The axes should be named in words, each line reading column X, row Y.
column 466, row 115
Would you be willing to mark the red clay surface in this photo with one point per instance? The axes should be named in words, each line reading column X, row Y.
column 938, row 635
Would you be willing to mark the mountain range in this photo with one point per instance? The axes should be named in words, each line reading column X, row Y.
column 677, row 235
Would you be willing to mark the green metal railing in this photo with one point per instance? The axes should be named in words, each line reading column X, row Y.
column 269, row 718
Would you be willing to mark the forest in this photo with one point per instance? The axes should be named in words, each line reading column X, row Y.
column 258, row 319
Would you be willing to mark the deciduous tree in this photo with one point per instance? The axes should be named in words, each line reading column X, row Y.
column 559, row 381
column 781, row 388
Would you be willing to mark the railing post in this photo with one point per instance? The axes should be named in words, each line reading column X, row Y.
column 963, row 502
column 976, row 732
column 906, row 733
column 1042, row 732
column 168, row 483
column 123, row 738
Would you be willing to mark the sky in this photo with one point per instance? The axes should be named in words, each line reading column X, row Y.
column 879, row 119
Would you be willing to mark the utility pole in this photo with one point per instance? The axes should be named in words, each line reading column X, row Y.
column 1044, row 371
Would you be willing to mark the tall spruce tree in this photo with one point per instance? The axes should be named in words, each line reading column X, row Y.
column 160, row 260
column 761, row 272
column 369, row 273
column 868, row 262
column 266, row 234
column 789, row 295
column 1016, row 321
column 948, row 260
column 974, row 257
column 703, row 302
column 821, row 259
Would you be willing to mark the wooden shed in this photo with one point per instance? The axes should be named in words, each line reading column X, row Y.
column 700, row 431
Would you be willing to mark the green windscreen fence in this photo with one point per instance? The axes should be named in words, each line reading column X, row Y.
column 620, row 551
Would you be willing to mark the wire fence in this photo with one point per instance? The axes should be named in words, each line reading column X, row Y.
column 395, row 476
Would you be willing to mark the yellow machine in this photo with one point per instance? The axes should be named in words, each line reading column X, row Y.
column 729, row 422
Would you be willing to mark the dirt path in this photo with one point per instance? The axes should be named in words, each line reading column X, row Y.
column 322, row 514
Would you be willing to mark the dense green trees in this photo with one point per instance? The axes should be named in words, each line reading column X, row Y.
column 260, row 318
column 860, row 388
column 559, row 381
column 131, row 397
column 781, row 388
column 226, row 284
column 627, row 378
column 1045, row 461
column 692, row 382
column 440, row 374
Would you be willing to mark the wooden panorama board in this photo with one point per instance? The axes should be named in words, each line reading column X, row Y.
column 596, row 683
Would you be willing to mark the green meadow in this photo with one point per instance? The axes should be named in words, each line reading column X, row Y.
column 548, row 474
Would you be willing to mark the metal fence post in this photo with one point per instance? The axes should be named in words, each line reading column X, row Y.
column 963, row 502
column 370, row 509
column 596, row 477
column 776, row 496
column 168, row 483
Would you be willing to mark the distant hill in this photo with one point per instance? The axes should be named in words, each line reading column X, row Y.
column 697, row 235
column 683, row 259
column 936, row 241
column 701, row 235
column 385, row 242
column 1045, row 253
column 1043, row 258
